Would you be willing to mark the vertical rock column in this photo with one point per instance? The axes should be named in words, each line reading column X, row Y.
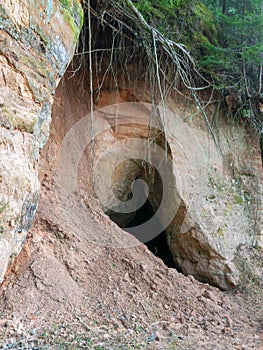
column 37, row 42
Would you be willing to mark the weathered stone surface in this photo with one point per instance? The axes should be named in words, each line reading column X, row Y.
column 37, row 42
column 215, row 193
column 218, row 190
column 19, row 190
column 222, row 195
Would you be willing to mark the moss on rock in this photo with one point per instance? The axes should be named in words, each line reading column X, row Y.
column 188, row 22
column 74, row 15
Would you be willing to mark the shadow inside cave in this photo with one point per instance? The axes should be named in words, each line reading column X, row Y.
column 158, row 245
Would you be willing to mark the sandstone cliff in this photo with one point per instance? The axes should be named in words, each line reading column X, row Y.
column 37, row 42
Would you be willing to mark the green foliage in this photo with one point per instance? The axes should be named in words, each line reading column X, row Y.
column 226, row 37
column 206, row 21
column 238, row 52
column 188, row 22
column 253, row 54
column 158, row 7
column 161, row 13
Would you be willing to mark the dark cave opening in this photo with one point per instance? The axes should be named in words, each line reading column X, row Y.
column 158, row 245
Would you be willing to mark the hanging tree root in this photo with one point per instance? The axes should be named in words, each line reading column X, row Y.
column 126, row 21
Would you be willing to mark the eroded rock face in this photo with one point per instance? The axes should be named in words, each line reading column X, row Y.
column 221, row 190
column 214, row 193
column 37, row 42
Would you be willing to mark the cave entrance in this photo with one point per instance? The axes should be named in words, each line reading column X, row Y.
column 145, row 221
column 158, row 245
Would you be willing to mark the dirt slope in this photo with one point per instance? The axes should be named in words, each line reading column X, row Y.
column 64, row 292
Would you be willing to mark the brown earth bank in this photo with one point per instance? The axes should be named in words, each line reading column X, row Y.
column 80, row 281
column 78, row 287
column 64, row 292
column 67, row 291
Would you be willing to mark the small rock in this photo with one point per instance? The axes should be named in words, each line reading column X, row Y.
column 126, row 277
column 159, row 336
column 106, row 336
column 3, row 323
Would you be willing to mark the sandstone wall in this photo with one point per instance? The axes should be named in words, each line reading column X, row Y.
column 221, row 187
column 37, row 42
column 214, row 191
